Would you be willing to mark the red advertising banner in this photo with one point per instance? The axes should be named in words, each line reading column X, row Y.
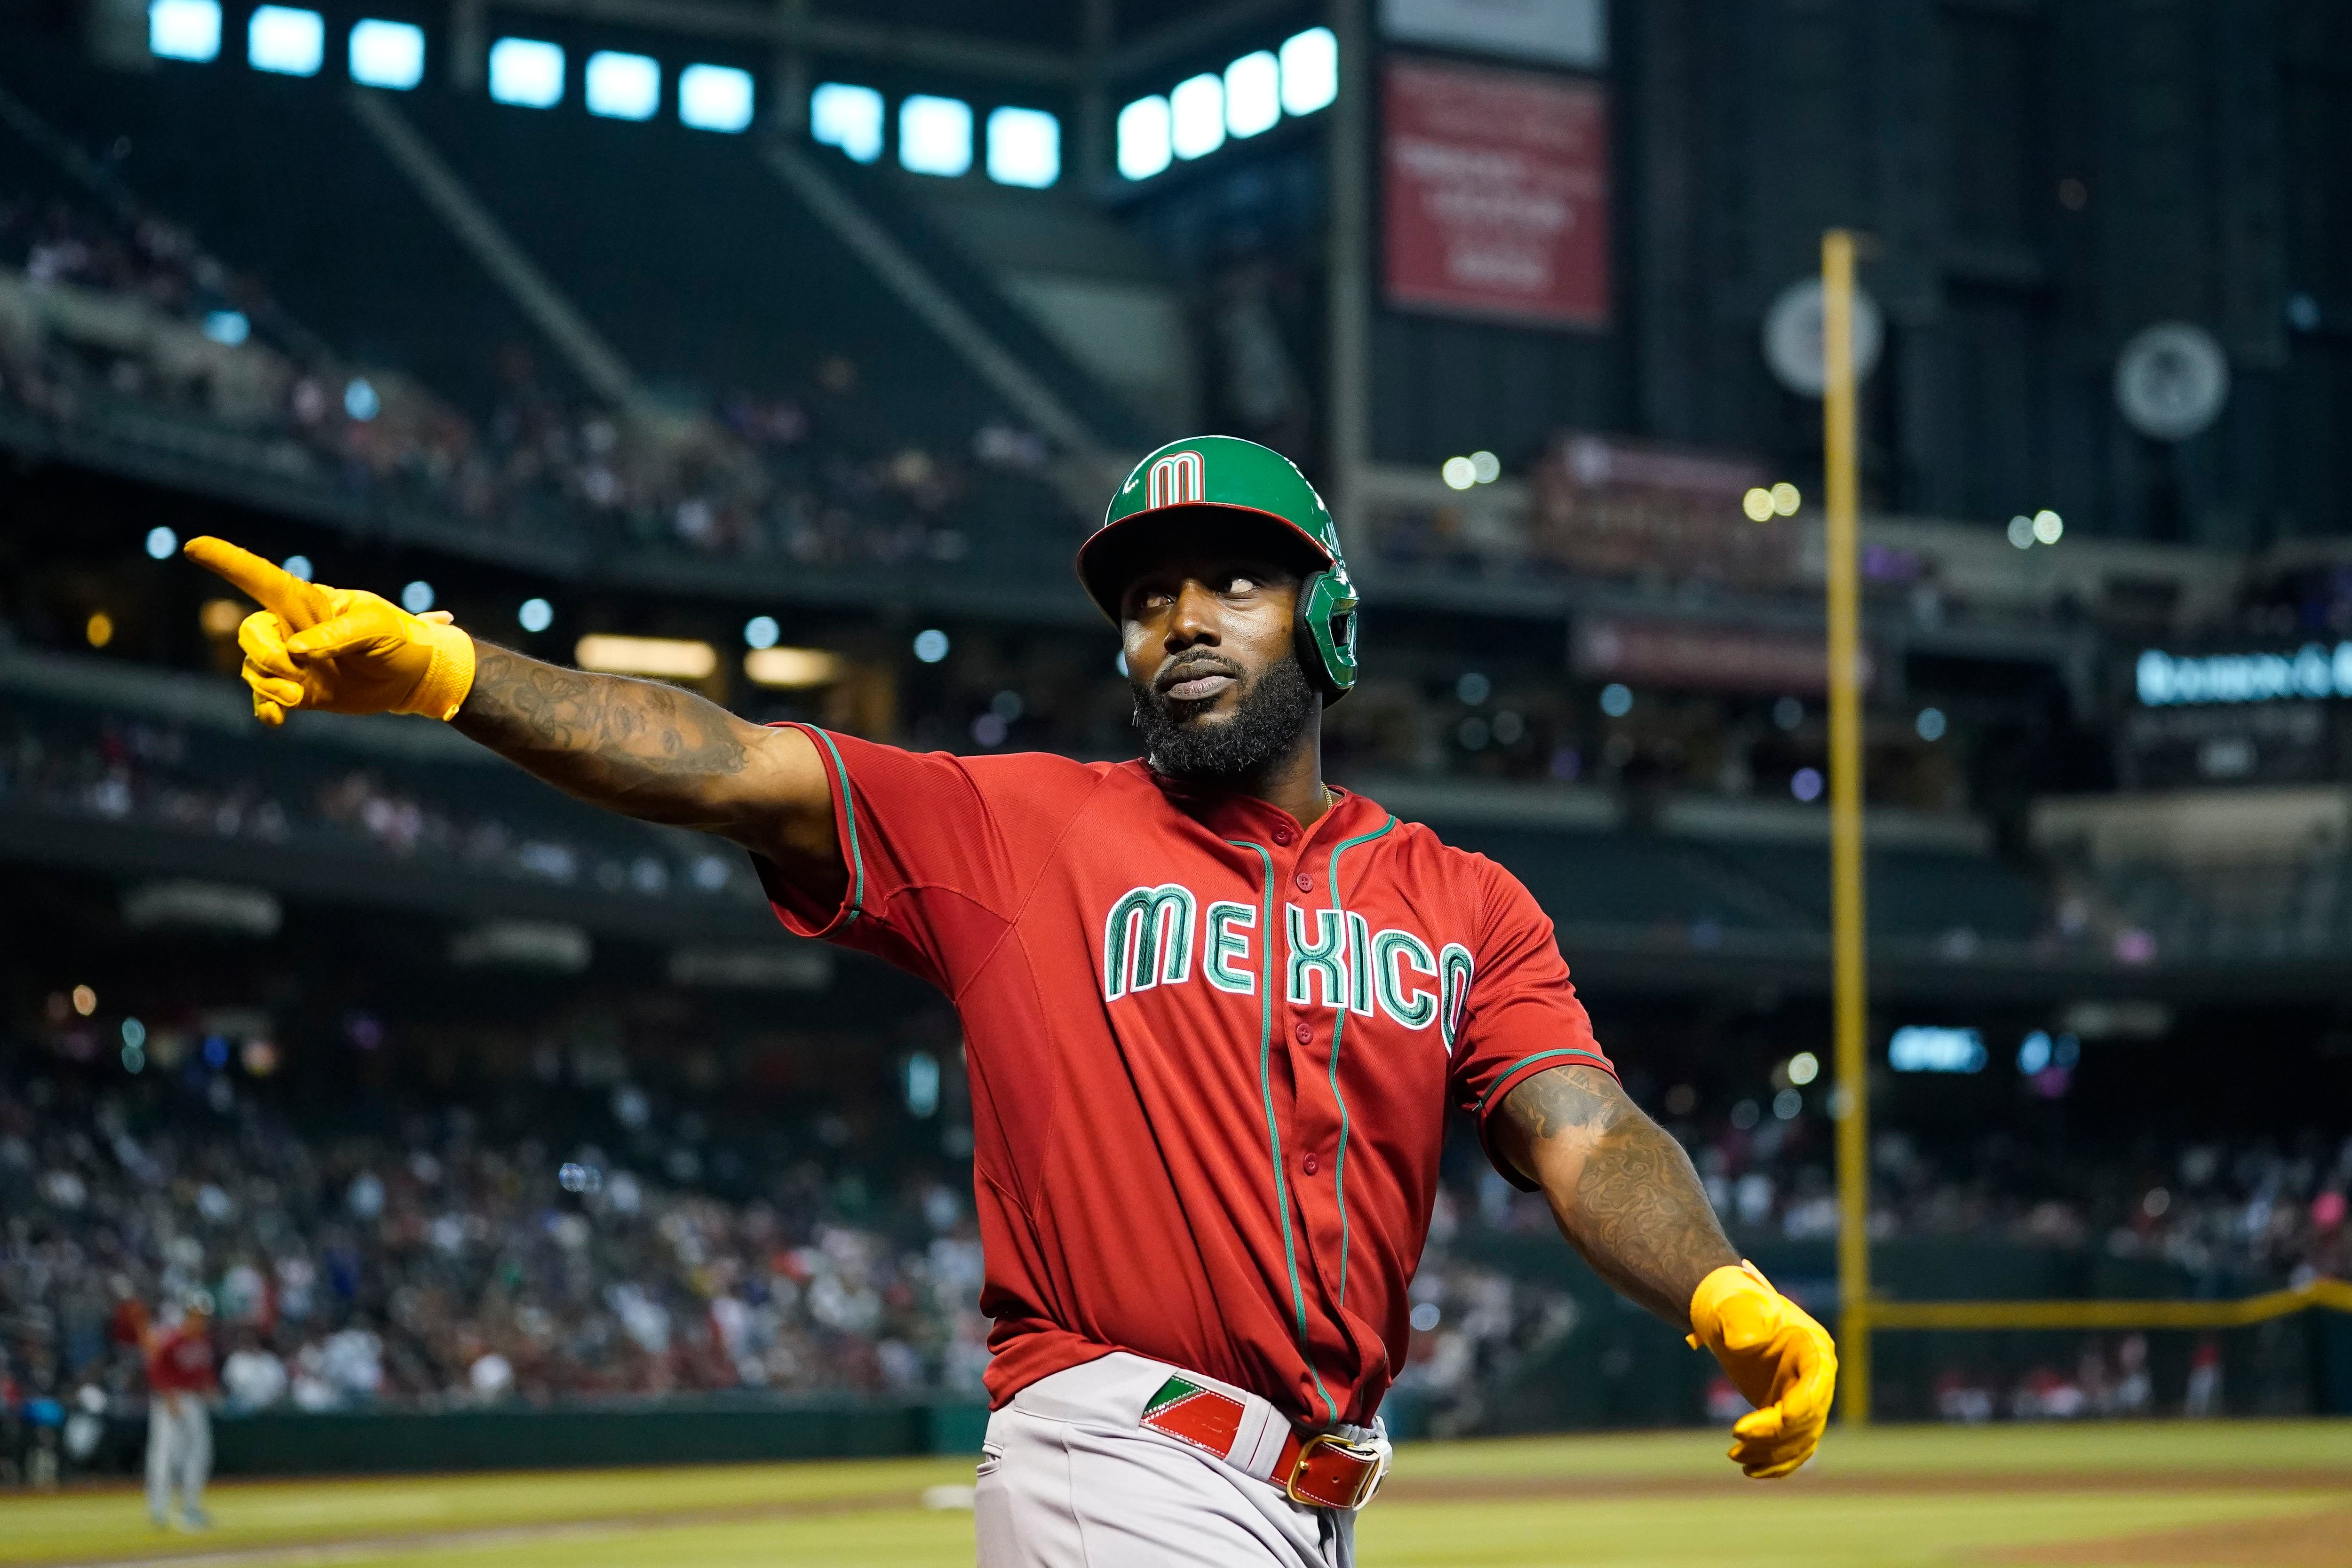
column 1496, row 188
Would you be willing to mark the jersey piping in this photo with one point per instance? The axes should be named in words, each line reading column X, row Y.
column 849, row 813
column 1339, row 1025
column 1593, row 1056
column 1274, row 1132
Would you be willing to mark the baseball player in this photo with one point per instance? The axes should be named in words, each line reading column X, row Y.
column 180, row 1380
column 1216, row 1011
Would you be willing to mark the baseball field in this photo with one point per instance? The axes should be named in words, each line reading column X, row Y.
column 2169, row 1495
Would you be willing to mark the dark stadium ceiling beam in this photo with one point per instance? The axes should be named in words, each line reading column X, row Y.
column 795, row 29
column 1201, row 31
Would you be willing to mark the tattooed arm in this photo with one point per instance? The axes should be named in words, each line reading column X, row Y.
column 1621, row 1189
column 661, row 754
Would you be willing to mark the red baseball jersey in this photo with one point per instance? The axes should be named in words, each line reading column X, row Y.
column 180, row 1361
column 1211, row 1051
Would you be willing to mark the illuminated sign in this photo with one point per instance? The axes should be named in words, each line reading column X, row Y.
column 2310, row 672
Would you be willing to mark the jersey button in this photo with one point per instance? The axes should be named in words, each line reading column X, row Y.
column 1305, row 883
column 1311, row 1167
column 1304, row 1033
column 1283, row 835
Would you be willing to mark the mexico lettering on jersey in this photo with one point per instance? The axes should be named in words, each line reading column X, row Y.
column 1148, row 937
column 1212, row 1052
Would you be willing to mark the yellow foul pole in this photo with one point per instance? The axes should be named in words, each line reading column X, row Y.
column 1843, row 504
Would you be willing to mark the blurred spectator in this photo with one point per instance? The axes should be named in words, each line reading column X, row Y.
column 252, row 1378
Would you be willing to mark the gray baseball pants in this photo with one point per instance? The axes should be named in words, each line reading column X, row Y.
column 179, row 1454
column 1068, row 1479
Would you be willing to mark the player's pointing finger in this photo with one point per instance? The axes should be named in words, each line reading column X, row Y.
column 296, row 602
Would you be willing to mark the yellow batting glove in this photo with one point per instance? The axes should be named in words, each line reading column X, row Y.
column 1780, row 1360
column 338, row 649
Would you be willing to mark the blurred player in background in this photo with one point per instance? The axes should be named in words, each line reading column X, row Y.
column 180, row 1383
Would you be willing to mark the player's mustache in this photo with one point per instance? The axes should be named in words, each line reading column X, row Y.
column 1195, row 666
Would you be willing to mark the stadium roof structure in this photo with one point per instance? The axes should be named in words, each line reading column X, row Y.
column 1071, row 42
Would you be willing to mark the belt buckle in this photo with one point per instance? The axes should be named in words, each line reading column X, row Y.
column 1364, row 1454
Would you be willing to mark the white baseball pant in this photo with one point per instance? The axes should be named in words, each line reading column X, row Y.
column 1068, row 1479
column 179, row 1453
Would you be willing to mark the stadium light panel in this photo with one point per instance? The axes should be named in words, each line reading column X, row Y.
column 527, row 73
column 387, row 54
column 1196, row 112
column 184, row 30
column 1252, row 93
column 677, row 658
column 793, row 668
column 1310, row 70
column 847, row 117
column 621, row 87
column 1143, row 145
column 934, row 135
column 1024, row 147
column 714, row 97
column 286, row 41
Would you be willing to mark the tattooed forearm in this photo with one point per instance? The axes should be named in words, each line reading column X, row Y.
column 1621, row 1189
column 660, row 755
column 635, row 745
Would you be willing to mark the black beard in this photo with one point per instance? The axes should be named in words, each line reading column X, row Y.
column 1265, row 727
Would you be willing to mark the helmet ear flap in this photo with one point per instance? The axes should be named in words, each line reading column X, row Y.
column 1326, row 631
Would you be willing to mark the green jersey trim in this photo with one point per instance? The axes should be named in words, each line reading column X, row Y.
column 1273, row 1130
column 849, row 814
column 1593, row 1056
column 1339, row 1027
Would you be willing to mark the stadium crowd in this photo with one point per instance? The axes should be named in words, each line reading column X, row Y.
column 439, row 1268
column 433, row 1264
column 121, row 322
column 436, row 1266
column 132, row 771
column 125, row 766
column 2227, row 1216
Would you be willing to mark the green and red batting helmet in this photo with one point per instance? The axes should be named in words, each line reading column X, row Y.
column 1244, row 482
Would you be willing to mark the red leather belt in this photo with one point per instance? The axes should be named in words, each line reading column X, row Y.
column 1325, row 1469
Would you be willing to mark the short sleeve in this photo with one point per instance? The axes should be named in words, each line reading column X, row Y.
column 1517, row 1015
column 931, row 884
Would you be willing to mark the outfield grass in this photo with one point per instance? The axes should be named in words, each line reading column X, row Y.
column 2163, row 1495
